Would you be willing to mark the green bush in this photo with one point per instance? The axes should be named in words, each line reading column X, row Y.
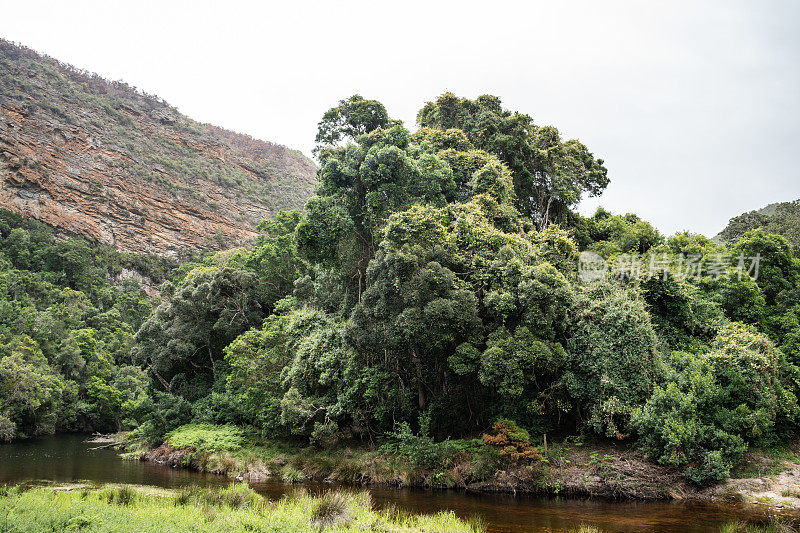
column 677, row 425
column 235, row 496
column 124, row 495
column 164, row 413
column 331, row 509
column 714, row 404
column 291, row 475
column 613, row 358
column 422, row 452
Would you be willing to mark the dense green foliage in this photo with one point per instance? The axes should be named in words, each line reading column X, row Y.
column 782, row 219
column 550, row 175
column 713, row 403
column 424, row 298
column 205, row 437
column 66, row 333
column 352, row 117
column 613, row 359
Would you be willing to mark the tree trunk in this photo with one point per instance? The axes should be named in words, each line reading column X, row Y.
column 160, row 379
column 420, row 386
column 213, row 364
column 546, row 216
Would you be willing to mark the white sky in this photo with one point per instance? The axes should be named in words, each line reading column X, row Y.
column 695, row 106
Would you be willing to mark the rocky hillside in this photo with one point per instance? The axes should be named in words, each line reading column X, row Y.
column 103, row 160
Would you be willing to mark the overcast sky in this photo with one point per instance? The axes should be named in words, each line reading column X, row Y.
column 695, row 106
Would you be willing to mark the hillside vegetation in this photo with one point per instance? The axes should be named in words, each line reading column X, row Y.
column 433, row 303
column 104, row 160
column 69, row 310
column 782, row 218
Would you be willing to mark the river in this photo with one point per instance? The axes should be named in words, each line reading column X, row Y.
column 65, row 458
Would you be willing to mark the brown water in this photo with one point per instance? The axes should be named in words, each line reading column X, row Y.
column 70, row 458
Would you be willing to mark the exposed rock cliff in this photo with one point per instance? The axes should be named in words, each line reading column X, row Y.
column 101, row 159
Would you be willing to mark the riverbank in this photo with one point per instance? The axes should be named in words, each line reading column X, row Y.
column 572, row 468
column 124, row 508
column 137, row 509
column 63, row 459
column 590, row 471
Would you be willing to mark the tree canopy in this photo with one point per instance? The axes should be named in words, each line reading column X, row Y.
column 550, row 175
column 432, row 289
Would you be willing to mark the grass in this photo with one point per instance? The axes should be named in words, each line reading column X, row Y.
column 246, row 455
column 206, row 437
column 229, row 450
column 333, row 508
column 767, row 461
column 124, row 495
column 234, row 496
column 292, row 475
column 774, row 526
column 236, row 508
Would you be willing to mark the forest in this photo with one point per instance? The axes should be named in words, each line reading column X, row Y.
column 435, row 294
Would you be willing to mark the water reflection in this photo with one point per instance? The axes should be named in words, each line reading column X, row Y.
column 505, row 513
column 70, row 458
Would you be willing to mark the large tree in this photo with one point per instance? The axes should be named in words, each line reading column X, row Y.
column 384, row 172
column 183, row 340
column 550, row 174
column 353, row 116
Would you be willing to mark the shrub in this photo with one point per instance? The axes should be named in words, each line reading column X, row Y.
column 166, row 413
column 422, row 452
column 613, row 358
column 484, row 463
column 677, row 426
column 331, row 509
column 714, row 404
column 235, row 496
column 124, row 495
column 292, row 475
column 8, row 430
column 324, row 435
column 512, row 442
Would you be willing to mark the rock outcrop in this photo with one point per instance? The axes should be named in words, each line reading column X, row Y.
column 105, row 161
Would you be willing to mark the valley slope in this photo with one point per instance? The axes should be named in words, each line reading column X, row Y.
column 103, row 160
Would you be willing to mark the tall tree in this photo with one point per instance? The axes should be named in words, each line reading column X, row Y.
column 183, row 341
column 353, row 116
column 550, row 174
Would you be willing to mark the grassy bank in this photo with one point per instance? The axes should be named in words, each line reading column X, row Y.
column 230, row 451
column 568, row 468
column 236, row 508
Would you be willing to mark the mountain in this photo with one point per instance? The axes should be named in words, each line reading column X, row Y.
column 782, row 218
column 103, row 160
